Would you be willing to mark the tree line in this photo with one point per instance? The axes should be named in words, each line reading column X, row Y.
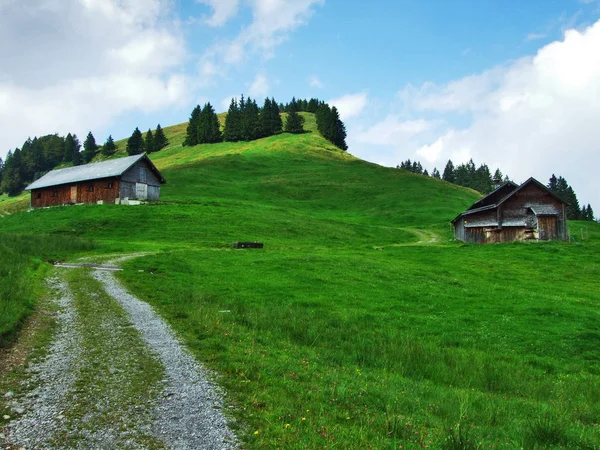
column 246, row 121
column 151, row 143
column 40, row 155
column 565, row 192
column 481, row 180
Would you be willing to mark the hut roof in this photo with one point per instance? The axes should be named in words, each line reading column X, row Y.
column 94, row 171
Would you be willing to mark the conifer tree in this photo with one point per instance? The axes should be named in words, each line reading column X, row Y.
column 191, row 135
column 160, row 140
column 435, row 173
column 589, row 212
column 449, row 172
column 149, row 142
column 232, row 131
column 294, row 123
column 12, row 182
column 89, row 148
column 209, row 128
column 109, row 148
column 72, row 147
column 1, row 168
column 135, row 144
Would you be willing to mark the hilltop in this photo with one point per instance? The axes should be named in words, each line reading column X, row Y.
column 361, row 323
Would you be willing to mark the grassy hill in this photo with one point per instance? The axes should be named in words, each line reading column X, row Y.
column 361, row 323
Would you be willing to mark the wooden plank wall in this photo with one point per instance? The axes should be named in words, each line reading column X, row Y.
column 61, row 195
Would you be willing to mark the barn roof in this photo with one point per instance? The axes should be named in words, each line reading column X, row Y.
column 497, row 197
column 94, row 171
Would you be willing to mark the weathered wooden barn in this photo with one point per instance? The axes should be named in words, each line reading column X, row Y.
column 514, row 213
column 113, row 181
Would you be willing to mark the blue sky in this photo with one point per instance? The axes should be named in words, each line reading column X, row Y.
column 512, row 83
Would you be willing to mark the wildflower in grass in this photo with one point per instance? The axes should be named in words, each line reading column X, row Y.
column 256, row 432
column 304, row 418
column 287, row 425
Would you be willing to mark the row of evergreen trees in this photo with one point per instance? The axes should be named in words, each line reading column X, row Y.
column 563, row 190
column 40, row 155
column 153, row 142
column 246, row 121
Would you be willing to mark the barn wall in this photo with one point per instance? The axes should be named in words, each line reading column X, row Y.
column 101, row 191
column 133, row 175
column 76, row 193
column 51, row 196
column 518, row 208
column 491, row 235
column 459, row 229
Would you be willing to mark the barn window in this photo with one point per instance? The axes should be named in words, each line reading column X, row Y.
column 91, row 188
column 109, row 186
column 54, row 193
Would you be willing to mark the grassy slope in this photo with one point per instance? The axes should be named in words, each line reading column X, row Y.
column 329, row 342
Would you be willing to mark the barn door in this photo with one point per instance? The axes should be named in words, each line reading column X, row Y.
column 141, row 191
column 74, row 194
column 548, row 227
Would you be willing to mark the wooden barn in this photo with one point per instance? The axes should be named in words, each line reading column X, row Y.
column 514, row 213
column 113, row 181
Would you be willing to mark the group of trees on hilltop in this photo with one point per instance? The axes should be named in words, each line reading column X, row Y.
column 468, row 175
column 331, row 126
column 560, row 187
column 246, row 121
column 153, row 142
column 40, row 155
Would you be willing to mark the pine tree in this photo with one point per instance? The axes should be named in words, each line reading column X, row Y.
column 589, row 212
column 209, row 128
column 71, row 152
column 294, row 123
column 449, row 174
column 426, row 173
column 232, row 130
column 435, row 173
column 191, row 135
column 276, row 122
column 109, row 148
column 89, row 148
column 1, row 168
column 265, row 118
column 553, row 184
column 160, row 140
column 149, row 142
column 135, row 144
column 12, row 182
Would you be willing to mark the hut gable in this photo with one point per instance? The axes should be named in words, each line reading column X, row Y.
column 511, row 212
column 133, row 177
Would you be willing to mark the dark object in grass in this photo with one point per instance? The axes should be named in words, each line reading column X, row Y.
column 247, row 245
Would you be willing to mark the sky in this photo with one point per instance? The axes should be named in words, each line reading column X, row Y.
column 514, row 84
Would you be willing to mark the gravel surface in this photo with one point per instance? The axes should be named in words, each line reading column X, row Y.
column 189, row 414
column 51, row 380
column 183, row 411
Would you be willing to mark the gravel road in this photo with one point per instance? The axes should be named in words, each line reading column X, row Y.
column 116, row 376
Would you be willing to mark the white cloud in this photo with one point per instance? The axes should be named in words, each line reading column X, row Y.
column 223, row 10
column 260, row 86
column 532, row 117
column 350, row 105
column 272, row 22
column 315, row 82
column 110, row 57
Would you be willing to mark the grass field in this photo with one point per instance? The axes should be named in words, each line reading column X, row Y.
column 361, row 324
column 22, row 273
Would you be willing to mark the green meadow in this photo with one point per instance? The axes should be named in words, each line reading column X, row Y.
column 361, row 324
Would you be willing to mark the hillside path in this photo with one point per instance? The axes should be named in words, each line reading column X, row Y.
column 115, row 376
